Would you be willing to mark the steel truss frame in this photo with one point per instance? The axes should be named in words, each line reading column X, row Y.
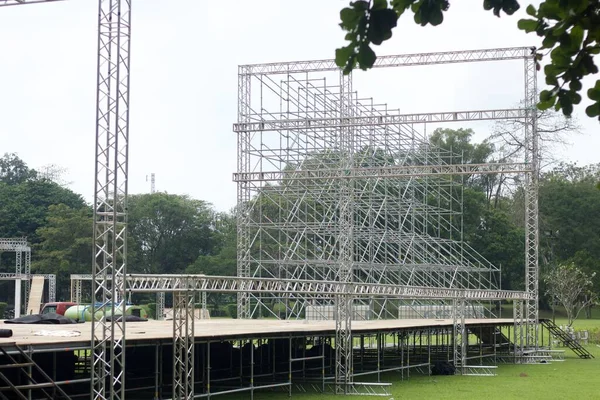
column 50, row 277
column 77, row 291
column 110, row 192
column 154, row 283
column 308, row 186
column 22, row 252
column 110, row 198
column 183, row 345
column 22, row 2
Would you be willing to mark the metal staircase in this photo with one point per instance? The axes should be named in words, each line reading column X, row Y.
column 20, row 369
column 491, row 336
column 568, row 341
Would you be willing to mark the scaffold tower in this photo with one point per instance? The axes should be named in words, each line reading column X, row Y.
column 333, row 186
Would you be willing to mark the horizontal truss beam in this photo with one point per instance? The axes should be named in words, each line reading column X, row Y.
column 402, row 60
column 379, row 120
column 144, row 283
column 11, row 244
column 23, row 2
column 9, row 276
column 398, row 171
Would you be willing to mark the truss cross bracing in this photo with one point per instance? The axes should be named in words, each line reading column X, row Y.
column 50, row 277
column 335, row 187
column 22, row 261
column 110, row 192
column 22, row 2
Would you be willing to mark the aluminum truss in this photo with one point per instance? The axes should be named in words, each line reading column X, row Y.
column 309, row 148
column 77, row 292
column 50, row 277
column 110, row 192
column 22, row 252
column 151, row 283
column 183, row 345
column 460, row 335
column 110, row 198
column 21, row 2
column 531, row 204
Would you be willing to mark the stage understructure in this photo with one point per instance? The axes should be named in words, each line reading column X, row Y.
column 345, row 213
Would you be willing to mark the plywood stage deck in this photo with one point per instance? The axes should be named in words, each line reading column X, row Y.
column 29, row 335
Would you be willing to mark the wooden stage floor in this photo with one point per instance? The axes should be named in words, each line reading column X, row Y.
column 218, row 329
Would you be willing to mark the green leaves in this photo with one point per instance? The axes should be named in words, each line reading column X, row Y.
column 354, row 20
column 528, row 25
column 594, row 95
column 366, row 56
column 381, row 23
column 508, row 6
column 569, row 30
column 372, row 23
column 429, row 11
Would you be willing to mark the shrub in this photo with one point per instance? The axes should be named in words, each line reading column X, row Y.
column 3, row 309
column 595, row 335
column 151, row 310
column 232, row 310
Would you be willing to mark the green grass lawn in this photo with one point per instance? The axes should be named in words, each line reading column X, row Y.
column 573, row 378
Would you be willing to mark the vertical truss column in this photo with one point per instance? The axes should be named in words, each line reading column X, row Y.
column 27, row 265
column 160, row 305
column 518, row 334
column 183, row 345
column 18, row 285
column 76, row 291
column 243, row 234
column 531, row 203
column 461, row 338
column 203, row 308
column 110, row 198
column 343, row 303
column 52, row 288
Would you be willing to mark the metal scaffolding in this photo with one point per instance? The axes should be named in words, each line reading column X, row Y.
column 110, row 198
column 333, row 186
column 344, row 219
column 22, row 252
column 50, row 277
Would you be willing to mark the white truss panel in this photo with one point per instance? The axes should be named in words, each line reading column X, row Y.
column 23, row 2
column 448, row 57
column 148, row 283
column 378, row 120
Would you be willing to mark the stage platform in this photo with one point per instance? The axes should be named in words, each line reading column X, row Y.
column 220, row 329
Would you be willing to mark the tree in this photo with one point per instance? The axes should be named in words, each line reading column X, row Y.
column 552, row 128
column 54, row 173
column 13, row 170
column 168, row 232
column 570, row 30
column 25, row 206
column 224, row 261
column 501, row 242
column 571, row 287
column 569, row 212
column 461, row 150
column 66, row 245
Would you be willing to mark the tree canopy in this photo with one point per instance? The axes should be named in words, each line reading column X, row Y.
column 570, row 32
column 171, row 233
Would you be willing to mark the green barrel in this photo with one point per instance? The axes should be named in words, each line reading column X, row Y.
column 79, row 313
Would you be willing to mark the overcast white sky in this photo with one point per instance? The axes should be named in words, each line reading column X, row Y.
column 185, row 55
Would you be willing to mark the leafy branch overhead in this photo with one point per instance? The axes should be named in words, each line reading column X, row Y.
column 570, row 30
